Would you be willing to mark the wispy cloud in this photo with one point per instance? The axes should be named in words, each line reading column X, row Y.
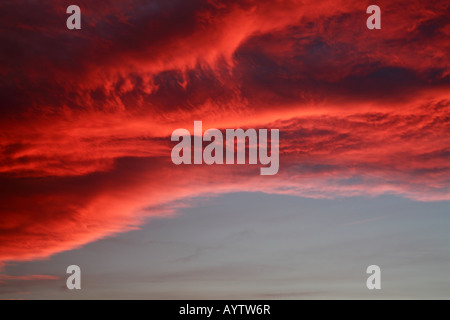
column 86, row 116
column 33, row 277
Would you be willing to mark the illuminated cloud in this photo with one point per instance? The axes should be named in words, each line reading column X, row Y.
column 87, row 115
column 33, row 277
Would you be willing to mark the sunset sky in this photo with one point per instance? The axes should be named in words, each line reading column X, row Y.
column 86, row 175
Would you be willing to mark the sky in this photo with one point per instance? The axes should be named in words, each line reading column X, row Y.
column 86, row 175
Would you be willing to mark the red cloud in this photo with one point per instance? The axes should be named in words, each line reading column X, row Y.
column 87, row 115
column 27, row 277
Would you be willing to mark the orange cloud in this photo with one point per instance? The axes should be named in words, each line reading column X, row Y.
column 33, row 277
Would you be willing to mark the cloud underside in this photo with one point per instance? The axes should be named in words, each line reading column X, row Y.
column 87, row 115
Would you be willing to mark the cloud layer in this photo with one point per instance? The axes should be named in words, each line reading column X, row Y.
column 87, row 115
